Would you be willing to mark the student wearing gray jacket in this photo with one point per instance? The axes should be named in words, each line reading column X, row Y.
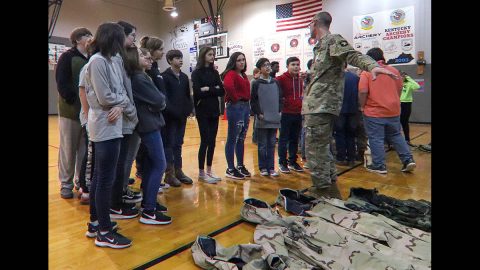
column 266, row 103
column 108, row 102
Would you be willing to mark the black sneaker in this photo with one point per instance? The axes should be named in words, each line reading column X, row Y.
column 92, row 229
column 378, row 169
column 154, row 218
column 130, row 196
column 409, row 166
column 112, row 240
column 158, row 207
column 284, row 168
column 244, row 171
column 123, row 213
column 234, row 173
column 294, row 166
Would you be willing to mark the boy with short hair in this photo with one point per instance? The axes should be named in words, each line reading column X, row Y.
column 266, row 104
column 291, row 121
column 179, row 107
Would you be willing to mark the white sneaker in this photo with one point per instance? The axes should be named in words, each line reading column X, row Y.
column 207, row 179
column 164, row 185
column 160, row 190
column 212, row 175
column 264, row 172
column 273, row 173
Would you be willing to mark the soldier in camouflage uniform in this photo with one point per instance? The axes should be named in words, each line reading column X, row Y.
column 324, row 96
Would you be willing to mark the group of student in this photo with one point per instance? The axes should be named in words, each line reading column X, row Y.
column 116, row 106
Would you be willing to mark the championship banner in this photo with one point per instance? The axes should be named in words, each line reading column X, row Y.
column 391, row 30
column 258, row 49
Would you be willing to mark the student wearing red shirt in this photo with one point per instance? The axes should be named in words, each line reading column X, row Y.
column 237, row 97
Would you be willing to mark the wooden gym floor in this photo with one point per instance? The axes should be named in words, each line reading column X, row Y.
column 202, row 209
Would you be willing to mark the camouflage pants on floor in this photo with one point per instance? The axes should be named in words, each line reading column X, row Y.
column 318, row 133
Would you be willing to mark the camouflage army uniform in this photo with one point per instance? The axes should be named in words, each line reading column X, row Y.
column 323, row 101
column 321, row 243
column 406, row 240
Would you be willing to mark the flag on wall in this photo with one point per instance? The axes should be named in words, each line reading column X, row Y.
column 296, row 15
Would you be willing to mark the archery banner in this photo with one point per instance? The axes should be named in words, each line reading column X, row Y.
column 391, row 30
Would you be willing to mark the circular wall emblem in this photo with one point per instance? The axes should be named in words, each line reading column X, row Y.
column 367, row 23
column 294, row 43
column 397, row 17
column 275, row 47
column 311, row 41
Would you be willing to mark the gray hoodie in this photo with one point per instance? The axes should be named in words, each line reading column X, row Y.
column 105, row 88
column 266, row 99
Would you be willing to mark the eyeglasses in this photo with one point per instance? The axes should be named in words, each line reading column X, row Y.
column 309, row 24
column 266, row 65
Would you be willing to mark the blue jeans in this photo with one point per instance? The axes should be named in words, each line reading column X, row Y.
column 121, row 174
column 266, row 147
column 154, row 165
column 345, row 127
column 291, row 125
column 105, row 166
column 174, row 133
column 385, row 128
column 238, row 116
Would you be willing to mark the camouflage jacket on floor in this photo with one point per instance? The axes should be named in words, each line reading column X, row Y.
column 321, row 242
column 209, row 254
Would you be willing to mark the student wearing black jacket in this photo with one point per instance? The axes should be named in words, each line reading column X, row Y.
column 179, row 107
column 155, row 46
column 207, row 88
column 149, row 102
column 67, row 75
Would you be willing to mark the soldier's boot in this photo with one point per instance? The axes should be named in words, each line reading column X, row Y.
column 320, row 183
column 182, row 177
column 170, row 177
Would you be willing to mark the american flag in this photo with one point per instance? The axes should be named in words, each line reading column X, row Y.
column 296, row 15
